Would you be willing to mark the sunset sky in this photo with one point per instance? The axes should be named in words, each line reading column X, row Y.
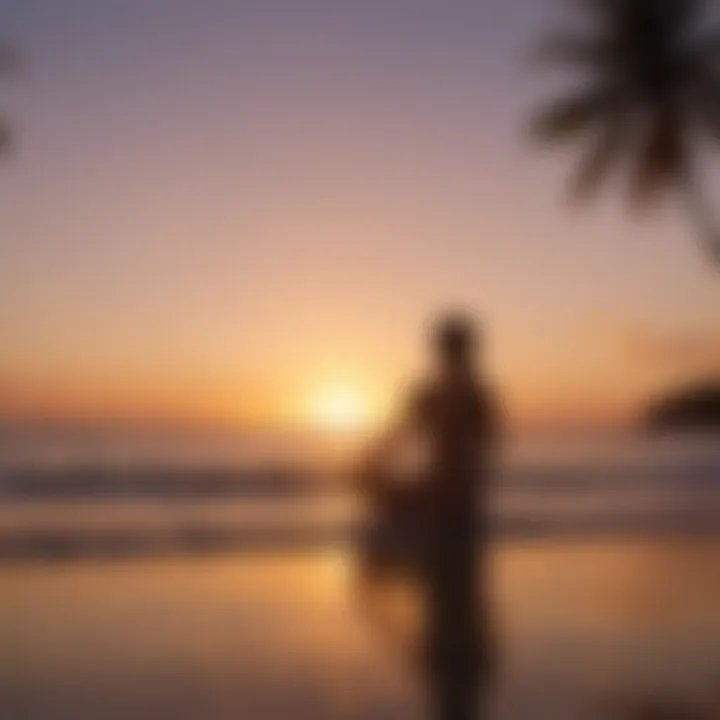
column 217, row 209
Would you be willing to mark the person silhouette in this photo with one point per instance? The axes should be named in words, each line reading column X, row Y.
column 445, row 515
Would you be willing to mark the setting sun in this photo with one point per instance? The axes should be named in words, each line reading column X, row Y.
column 338, row 407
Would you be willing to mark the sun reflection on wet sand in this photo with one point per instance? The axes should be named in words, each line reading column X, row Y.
column 220, row 637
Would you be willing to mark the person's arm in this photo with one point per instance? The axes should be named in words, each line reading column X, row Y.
column 372, row 471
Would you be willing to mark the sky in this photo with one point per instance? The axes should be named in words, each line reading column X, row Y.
column 217, row 209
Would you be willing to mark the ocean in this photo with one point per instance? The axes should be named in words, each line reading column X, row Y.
column 88, row 491
column 206, row 577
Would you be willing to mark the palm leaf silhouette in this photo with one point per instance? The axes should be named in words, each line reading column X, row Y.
column 9, row 64
column 651, row 90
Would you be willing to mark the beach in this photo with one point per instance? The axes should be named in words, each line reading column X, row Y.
column 585, row 627
column 160, row 588
column 297, row 305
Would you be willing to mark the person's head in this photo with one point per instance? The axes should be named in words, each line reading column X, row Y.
column 455, row 341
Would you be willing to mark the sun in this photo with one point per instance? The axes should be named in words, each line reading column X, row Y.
column 338, row 408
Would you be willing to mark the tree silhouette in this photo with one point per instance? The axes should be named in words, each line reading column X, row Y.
column 9, row 62
column 652, row 90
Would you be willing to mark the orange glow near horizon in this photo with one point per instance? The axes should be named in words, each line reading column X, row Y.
column 348, row 400
column 347, row 171
column 338, row 407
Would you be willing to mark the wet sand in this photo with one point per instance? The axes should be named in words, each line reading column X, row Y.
column 584, row 625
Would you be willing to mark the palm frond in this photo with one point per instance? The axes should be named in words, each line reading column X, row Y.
column 660, row 161
column 670, row 17
column 9, row 64
column 703, row 98
column 709, row 117
column 680, row 14
column 709, row 112
column 601, row 9
column 573, row 49
column 654, row 76
column 568, row 117
column 606, row 150
column 707, row 48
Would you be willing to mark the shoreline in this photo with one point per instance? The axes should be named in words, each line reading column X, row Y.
column 193, row 543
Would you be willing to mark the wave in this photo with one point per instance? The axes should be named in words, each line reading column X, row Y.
column 172, row 482
column 155, row 482
column 50, row 544
column 149, row 511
